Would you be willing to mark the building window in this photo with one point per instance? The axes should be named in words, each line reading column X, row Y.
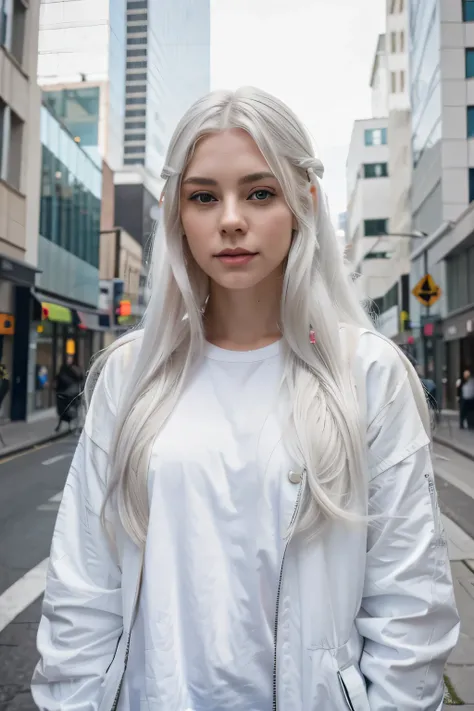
column 375, row 228
column 139, row 150
column 3, row 22
column 130, row 125
column 137, row 4
column 134, row 161
column 468, row 11
column 136, row 29
column 136, row 52
column 136, row 65
column 402, row 41
column 393, row 41
column 139, row 89
column 402, row 80
column 15, row 150
column 470, row 121
column 132, row 113
column 137, row 40
column 402, row 5
column 469, row 63
column 18, row 29
column 2, row 129
column 392, row 6
column 136, row 16
column 471, row 184
column 376, row 255
column 393, row 76
column 375, row 136
column 375, row 170
column 135, row 136
column 137, row 77
column 130, row 100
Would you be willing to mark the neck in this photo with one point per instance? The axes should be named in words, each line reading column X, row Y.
column 243, row 319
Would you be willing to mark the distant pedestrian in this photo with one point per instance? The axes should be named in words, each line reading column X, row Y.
column 467, row 399
column 69, row 384
column 213, row 550
column 462, row 403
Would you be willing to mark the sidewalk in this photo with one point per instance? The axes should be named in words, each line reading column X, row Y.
column 460, row 666
column 19, row 436
column 449, row 434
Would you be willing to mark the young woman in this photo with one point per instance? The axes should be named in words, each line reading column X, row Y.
column 250, row 521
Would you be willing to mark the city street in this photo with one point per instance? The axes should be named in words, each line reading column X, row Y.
column 31, row 486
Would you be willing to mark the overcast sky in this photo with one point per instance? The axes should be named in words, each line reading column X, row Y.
column 314, row 54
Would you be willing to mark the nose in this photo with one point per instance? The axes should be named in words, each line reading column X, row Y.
column 232, row 220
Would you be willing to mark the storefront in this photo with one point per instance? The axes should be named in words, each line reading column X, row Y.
column 16, row 316
column 64, row 331
column 458, row 333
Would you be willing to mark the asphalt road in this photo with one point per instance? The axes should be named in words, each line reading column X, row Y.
column 27, row 517
column 27, row 521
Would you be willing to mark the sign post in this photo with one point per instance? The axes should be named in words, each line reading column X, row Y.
column 428, row 293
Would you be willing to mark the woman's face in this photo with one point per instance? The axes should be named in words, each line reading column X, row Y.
column 237, row 223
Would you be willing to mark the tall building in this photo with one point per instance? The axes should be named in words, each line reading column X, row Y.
column 393, row 305
column 81, row 68
column 19, row 196
column 368, row 205
column 442, row 97
column 168, row 68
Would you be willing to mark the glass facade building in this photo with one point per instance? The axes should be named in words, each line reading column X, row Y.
column 168, row 68
column 69, row 215
column 425, row 35
column 70, row 193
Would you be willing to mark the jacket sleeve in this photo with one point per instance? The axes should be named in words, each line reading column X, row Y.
column 408, row 616
column 82, row 609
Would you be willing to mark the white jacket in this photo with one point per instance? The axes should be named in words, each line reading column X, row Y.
column 366, row 616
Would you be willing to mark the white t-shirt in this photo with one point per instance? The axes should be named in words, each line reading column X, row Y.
column 205, row 626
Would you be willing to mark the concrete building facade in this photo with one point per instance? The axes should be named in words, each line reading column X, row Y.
column 442, row 95
column 20, row 102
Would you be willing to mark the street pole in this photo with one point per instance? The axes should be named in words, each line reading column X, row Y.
column 425, row 337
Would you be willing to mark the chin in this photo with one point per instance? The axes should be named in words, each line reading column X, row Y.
column 238, row 282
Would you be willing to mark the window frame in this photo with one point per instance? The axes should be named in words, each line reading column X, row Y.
column 379, row 232
column 467, row 9
column 469, row 59
column 368, row 166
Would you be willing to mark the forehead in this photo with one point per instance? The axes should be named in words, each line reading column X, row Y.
column 232, row 150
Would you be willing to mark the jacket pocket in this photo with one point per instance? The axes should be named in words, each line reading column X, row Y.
column 353, row 688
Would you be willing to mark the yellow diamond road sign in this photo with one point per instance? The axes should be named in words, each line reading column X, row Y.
column 427, row 291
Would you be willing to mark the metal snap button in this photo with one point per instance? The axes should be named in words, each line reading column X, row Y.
column 294, row 477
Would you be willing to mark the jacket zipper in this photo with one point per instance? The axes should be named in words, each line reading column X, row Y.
column 129, row 636
column 280, row 580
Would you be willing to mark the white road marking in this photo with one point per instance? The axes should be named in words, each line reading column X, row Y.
column 52, row 504
column 57, row 497
column 53, row 460
column 23, row 593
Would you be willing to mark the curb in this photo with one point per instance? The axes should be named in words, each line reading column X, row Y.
column 32, row 444
column 455, row 447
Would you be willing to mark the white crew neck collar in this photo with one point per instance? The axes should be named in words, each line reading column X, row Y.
column 231, row 356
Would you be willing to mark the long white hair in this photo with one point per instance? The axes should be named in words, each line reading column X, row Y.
column 318, row 293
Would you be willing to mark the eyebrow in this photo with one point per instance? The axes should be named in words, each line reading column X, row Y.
column 252, row 178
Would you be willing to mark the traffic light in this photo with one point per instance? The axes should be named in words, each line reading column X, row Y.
column 125, row 309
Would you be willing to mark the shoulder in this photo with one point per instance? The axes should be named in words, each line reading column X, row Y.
column 379, row 363
column 120, row 364
column 108, row 387
column 394, row 399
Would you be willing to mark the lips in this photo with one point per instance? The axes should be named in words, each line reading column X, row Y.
column 235, row 257
column 235, row 253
